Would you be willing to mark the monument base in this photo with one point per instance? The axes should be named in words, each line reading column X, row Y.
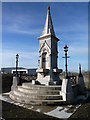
column 15, row 82
column 66, row 91
column 37, row 94
column 49, row 77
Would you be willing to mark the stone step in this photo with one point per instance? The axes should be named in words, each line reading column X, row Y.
column 34, row 91
column 51, row 87
column 37, row 96
column 33, row 101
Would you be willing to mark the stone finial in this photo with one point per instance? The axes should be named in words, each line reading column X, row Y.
column 48, row 8
column 81, row 81
column 79, row 68
column 80, row 72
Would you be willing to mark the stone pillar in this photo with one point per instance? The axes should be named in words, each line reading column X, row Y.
column 81, row 85
column 49, row 60
column 15, row 82
column 81, row 81
column 40, row 62
column 51, row 71
column 66, row 91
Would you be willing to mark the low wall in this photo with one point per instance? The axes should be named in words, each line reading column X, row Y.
column 6, row 82
column 86, row 76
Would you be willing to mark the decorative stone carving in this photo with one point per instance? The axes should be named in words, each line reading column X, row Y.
column 48, row 54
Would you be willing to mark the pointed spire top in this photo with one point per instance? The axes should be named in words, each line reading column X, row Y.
column 48, row 8
column 80, row 72
column 79, row 68
column 48, row 28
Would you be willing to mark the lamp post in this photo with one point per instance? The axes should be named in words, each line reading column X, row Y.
column 17, row 56
column 66, row 50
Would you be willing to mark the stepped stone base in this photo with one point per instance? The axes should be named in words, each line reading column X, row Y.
column 36, row 94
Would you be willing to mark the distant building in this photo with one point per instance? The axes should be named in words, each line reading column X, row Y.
column 32, row 71
column 12, row 70
column 7, row 70
column 20, row 71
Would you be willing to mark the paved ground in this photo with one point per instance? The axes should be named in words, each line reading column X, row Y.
column 11, row 111
column 83, row 112
column 64, row 111
column 19, row 111
column 16, row 112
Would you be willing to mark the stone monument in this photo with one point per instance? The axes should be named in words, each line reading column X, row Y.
column 48, row 72
column 50, row 89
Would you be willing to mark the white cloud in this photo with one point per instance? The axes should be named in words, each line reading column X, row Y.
column 30, row 59
column 78, row 50
column 75, row 50
column 22, row 24
column 75, row 27
column 20, row 29
column 26, row 59
column 78, row 54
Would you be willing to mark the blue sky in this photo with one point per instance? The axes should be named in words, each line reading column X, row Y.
column 23, row 23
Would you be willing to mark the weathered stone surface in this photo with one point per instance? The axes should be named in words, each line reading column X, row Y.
column 48, row 28
column 48, row 72
column 15, row 82
column 36, row 94
column 81, row 85
column 66, row 91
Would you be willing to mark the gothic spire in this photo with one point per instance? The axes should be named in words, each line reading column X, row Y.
column 48, row 28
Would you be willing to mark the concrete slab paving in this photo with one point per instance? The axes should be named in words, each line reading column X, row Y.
column 55, row 111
